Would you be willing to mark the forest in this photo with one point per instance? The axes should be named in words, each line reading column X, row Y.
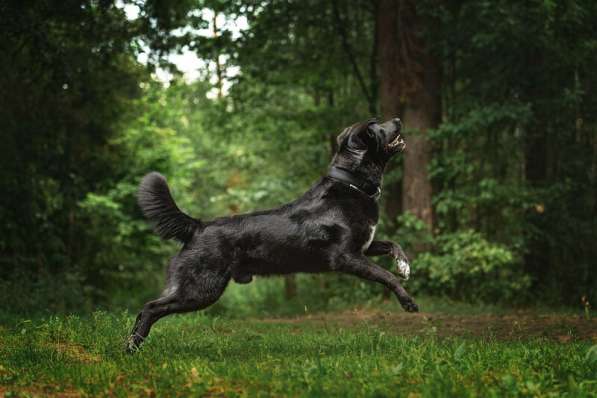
column 494, row 199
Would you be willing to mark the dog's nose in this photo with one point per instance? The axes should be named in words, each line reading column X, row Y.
column 397, row 122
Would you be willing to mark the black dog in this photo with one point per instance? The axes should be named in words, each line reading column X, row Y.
column 329, row 228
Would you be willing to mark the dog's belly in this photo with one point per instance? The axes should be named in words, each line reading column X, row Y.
column 283, row 259
column 283, row 265
column 273, row 244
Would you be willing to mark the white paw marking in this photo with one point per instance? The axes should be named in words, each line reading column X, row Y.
column 403, row 269
column 371, row 235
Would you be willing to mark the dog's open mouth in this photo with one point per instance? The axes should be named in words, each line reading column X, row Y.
column 397, row 143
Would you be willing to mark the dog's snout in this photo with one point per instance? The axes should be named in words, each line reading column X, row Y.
column 397, row 123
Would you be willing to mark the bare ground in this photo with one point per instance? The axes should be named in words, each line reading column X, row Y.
column 515, row 326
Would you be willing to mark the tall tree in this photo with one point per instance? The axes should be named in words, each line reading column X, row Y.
column 410, row 86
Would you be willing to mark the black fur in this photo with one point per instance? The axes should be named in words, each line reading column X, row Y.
column 158, row 206
column 328, row 229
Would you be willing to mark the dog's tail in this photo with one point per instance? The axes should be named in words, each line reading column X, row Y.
column 159, row 207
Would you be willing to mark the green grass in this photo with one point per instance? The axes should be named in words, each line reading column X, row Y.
column 348, row 354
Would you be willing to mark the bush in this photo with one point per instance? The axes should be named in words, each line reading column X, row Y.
column 45, row 292
column 465, row 266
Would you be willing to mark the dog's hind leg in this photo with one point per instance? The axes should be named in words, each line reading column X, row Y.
column 205, row 289
column 152, row 311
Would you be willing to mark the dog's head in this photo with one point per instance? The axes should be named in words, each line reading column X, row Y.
column 367, row 147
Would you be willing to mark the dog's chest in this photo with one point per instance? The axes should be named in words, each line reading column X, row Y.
column 370, row 239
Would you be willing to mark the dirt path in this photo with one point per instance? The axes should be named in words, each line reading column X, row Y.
column 515, row 326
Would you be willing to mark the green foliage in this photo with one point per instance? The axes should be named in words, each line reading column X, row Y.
column 466, row 266
column 126, row 254
column 63, row 94
column 81, row 121
column 514, row 144
column 462, row 265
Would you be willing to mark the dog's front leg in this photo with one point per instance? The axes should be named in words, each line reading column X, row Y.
column 387, row 248
column 363, row 268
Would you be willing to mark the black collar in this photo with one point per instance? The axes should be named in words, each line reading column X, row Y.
column 347, row 177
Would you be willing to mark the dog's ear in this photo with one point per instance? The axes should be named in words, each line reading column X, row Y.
column 365, row 134
column 343, row 135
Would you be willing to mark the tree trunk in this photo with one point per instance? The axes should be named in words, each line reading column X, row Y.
column 388, row 56
column 537, row 258
column 386, row 29
column 219, row 72
column 422, row 112
column 290, row 286
column 410, row 87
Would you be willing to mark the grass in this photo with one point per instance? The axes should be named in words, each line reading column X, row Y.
column 352, row 353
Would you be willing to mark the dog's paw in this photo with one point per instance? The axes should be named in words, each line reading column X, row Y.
column 403, row 268
column 131, row 349
column 409, row 306
column 133, row 344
